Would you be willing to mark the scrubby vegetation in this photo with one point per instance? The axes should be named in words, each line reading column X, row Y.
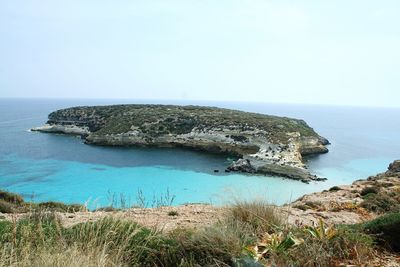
column 14, row 203
column 334, row 188
column 369, row 190
column 386, row 230
column 381, row 202
column 171, row 119
column 315, row 205
column 251, row 234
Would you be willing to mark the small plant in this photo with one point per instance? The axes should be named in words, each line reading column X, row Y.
column 11, row 197
column 107, row 209
column 381, row 203
column 335, row 188
column 273, row 243
column 6, row 207
column 315, row 205
column 386, row 229
column 60, row 207
column 302, row 207
column 259, row 215
column 322, row 231
column 173, row 213
column 369, row 190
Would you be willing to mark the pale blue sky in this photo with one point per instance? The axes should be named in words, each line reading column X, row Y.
column 322, row 52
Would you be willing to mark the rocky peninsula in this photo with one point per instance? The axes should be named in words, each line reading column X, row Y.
column 264, row 144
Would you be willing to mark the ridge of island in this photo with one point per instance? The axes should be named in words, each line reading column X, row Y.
column 265, row 144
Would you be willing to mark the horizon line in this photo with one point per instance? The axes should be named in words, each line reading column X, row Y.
column 197, row 100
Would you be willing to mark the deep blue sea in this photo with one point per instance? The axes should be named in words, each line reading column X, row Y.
column 45, row 167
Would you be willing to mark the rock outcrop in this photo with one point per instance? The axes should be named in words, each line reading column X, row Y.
column 394, row 167
column 358, row 202
column 266, row 144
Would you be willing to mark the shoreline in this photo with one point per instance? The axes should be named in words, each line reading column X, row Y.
column 266, row 144
column 342, row 204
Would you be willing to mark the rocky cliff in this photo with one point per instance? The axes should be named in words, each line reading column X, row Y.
column 266, row 144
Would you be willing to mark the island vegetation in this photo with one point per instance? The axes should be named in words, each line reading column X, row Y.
column 266, row 144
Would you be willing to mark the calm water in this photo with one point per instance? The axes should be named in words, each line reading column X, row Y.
column 55, row 167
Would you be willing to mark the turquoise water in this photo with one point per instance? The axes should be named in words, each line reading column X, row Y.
column 56, row 167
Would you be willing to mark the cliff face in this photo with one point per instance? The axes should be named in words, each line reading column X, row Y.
column 268, row 144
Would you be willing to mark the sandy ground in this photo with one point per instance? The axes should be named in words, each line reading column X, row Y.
column 333, row 207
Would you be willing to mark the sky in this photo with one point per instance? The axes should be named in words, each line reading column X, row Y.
column 343, row 52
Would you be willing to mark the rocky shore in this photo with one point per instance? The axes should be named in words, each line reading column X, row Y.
column 265, row 144
column 347, row 225
column 358, row 202
column 349, row 204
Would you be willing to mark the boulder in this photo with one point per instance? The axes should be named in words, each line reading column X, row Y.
column 394, row 166
column 242, row 165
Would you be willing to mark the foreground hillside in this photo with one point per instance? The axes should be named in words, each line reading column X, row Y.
column 350, row 225
column 267, row 144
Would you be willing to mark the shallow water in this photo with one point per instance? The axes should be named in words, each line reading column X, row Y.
column 56, row 167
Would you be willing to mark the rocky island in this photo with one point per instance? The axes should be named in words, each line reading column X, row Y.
column 265, row 144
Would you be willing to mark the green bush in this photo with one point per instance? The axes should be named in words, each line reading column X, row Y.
column 173, row 213
column 335, row 188
column 381, row 203
column 302, row 207
column 386, row 229
column 369, row 190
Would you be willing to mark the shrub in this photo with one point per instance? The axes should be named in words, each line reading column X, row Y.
column 6, row 207
column 313, row 204
column 321, row 246
column 386, row 230
column 11, row 197
column 173, row 213
column 302, row 207
column 61, row 207
column 369, row 190
column 216, row 245
column 335, row 188
column 380, row 203
column 108, row 209
column 259, row 215
column 124, row 241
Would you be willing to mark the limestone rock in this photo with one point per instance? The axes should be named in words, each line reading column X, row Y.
column 394, row 166
column 242, row 165
column 267, row 144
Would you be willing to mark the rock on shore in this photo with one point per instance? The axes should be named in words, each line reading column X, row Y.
column 266, row 144
column 345, row 204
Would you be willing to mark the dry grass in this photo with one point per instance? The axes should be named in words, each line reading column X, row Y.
column 259, row 215
column 40, row 240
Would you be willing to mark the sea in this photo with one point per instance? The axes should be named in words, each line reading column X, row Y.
column 55, row 167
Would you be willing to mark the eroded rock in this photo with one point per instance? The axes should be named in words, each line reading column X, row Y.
column 267, row 144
